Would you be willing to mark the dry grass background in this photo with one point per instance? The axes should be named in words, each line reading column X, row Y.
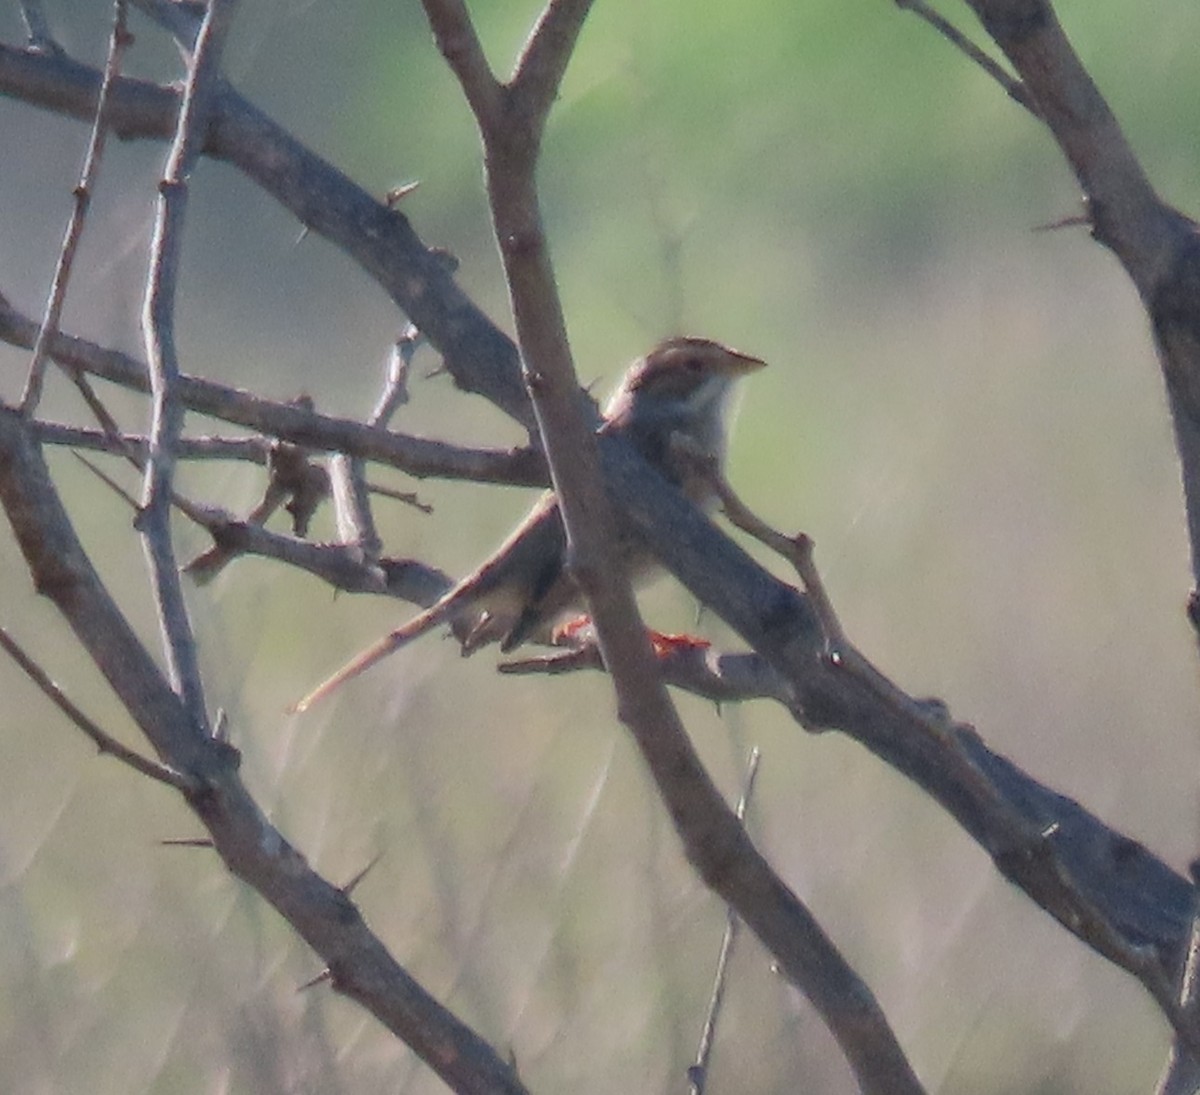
column 966, row 416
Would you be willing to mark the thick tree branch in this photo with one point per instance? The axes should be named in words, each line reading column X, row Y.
column 713, row 838
column 477, row 354
column 1136, row 894
column 1158, row 246
column 1139, row 894
column 253, row 850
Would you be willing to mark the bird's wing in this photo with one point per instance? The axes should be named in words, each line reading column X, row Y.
column 483, row 606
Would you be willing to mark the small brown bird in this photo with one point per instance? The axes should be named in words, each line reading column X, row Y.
column 679, row 392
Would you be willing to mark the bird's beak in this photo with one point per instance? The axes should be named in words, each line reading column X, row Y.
column 739, row 364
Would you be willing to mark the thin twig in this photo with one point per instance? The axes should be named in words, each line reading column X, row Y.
column 326, row 975
column 108, row 481
column 294, row 421
column 253, row 450
column 395, row 391
column 541, row 66
column 408, row 497
column 1013, row 87
column 797, row 550
column 348, row 474
column 352, row 505
column 103, row 740
column 118, row 41
column 352, row 885
column 698, row 1073
column 722, row 678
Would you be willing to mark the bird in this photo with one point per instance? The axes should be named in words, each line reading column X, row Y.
column 672, row 405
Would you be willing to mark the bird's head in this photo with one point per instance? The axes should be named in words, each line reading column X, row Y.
column 682, row 386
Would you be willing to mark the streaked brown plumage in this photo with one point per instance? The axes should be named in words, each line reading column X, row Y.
column 679, row 391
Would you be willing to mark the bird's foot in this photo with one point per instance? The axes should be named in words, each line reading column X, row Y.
column 576, row 631
column 580, row 631
column 666, row 645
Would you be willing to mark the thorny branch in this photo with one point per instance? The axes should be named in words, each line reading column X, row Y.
column 1141, row 895
column 118, row 43
column 166, row 249
column 102, row 739
column 511, row 119
column 1124, row 901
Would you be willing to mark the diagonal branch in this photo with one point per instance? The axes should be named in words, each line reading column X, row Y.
column 1143, row 900
column 118, row 42
column 543, row 63
column 103, row 740
column 255, row 851
column 455, row 36
column 714, row 840
column 1013, row 88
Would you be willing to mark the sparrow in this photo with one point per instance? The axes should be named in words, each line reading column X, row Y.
column 672, row 406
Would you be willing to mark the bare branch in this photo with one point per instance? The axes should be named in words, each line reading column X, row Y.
column 166, row 249
column 104, row 741
column 722, row 678
column 713, row 839
column 540, row 68
column 455, row 36
column 294, row 421
column 395, row 391
column 118, row 42
column 698, row 1073
column 1140, row 899
column 479, row 356
column 1139, row 893
column 352, row 505
column 1013, row 88
column 342, row 566
column 253, row 450
column 253, row 850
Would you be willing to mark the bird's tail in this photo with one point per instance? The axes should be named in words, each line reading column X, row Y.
column 376, row 652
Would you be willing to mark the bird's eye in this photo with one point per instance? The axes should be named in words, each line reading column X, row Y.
column 693, row 364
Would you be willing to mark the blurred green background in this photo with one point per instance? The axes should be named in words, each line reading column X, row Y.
column 964, row 413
